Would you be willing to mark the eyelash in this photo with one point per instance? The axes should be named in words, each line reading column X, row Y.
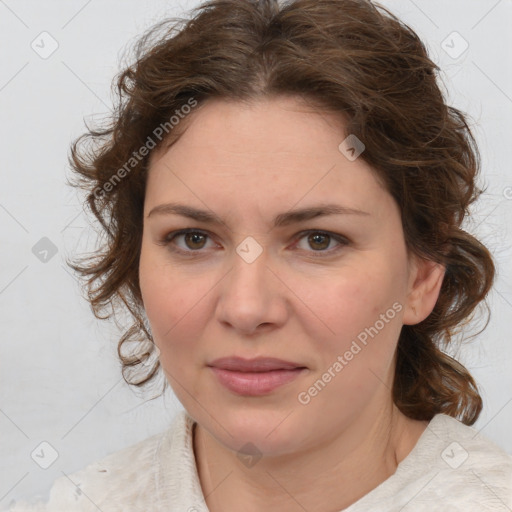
column 170, row 237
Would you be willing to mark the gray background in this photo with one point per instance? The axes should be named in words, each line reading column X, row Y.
column 60, row 380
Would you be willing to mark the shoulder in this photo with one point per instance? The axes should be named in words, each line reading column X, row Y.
column 124, row 480
column 466, row 467
column 453, row 467
column 468, row 448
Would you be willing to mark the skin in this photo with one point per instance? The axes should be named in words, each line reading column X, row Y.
column 302, row 300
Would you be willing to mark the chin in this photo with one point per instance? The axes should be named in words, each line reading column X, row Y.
column 272, row 432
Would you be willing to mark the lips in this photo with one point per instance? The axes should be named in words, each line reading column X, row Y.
column 259, row 364
column 255, row 377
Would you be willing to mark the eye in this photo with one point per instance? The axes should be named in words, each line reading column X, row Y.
column 320, row 241
column 193, row 241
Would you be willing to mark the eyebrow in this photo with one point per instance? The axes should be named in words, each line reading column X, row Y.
column 280, row 220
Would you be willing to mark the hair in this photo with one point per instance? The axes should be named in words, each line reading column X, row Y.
column 351, row 57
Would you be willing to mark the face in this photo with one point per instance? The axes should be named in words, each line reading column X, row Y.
column 326, row 291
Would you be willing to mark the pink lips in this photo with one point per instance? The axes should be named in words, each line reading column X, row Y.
column 254, row 377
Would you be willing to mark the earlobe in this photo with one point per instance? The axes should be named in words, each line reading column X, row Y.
column 424, row 288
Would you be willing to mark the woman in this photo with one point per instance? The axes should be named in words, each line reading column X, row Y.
column 283, row 188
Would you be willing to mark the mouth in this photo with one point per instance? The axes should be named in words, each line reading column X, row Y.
column 255, row 377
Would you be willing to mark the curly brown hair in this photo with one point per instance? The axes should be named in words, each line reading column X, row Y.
column 351, row 57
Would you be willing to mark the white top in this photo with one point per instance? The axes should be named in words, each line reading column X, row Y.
column 451, row 468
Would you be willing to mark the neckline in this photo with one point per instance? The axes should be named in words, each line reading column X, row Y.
column 408, row 470
column 178, row 478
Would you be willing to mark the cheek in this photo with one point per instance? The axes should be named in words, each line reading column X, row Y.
column 363, row 310
column 172, row 305
column 355, row 357
column 358, row 300
column 176, row 305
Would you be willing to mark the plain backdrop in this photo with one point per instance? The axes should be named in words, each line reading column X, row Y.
column 60, row 380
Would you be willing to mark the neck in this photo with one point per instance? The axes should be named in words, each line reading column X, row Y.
column 334, row 475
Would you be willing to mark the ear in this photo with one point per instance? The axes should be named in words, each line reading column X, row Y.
column 425, row 280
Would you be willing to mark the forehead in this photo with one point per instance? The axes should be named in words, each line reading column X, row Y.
column 279, row 149
column 265, row 126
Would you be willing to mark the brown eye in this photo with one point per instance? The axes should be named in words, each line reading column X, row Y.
column 187, row 242
column 319, row 241
column 194, row 240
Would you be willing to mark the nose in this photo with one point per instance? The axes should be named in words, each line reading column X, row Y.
column 252, row 298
